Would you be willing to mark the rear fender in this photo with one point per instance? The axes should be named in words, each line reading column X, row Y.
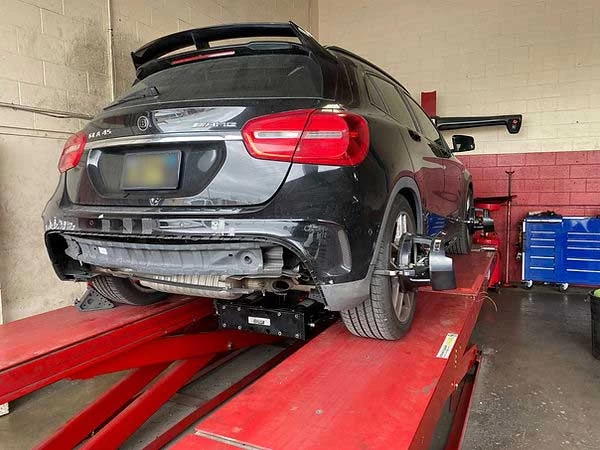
column 405, row 184
column 348, row 295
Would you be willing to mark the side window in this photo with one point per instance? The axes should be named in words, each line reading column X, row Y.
column 427, row 127
column 374, row 95
column 393, row 101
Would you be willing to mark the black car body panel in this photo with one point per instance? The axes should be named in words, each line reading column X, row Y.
column 326, row 218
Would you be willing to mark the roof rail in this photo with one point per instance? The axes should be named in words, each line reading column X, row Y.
column 202, row 37
column 368, row 63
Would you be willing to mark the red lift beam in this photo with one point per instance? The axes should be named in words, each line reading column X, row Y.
column 67, row 343
column 341, row 391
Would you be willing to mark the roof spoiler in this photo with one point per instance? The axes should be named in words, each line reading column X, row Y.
column 202, row 37
column 511, row 121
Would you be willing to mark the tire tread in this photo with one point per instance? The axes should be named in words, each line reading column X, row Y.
column 121, row 290
column 372, row 318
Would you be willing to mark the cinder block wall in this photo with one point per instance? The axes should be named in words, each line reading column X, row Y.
column 54, row 55
column 538, row 58
column 565, row 182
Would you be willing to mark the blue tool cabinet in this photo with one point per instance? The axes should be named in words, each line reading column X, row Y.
column 561, row 250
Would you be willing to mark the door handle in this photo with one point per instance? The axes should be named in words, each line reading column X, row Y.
column 414, row 136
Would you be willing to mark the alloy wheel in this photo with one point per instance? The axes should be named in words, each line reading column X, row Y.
column 401, row 301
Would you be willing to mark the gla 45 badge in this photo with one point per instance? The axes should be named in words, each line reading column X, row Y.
column 99, row 133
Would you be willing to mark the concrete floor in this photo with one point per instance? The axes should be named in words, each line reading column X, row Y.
column 538, row 387
column 38, row 415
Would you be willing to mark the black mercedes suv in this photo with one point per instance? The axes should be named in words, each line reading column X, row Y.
column 272, row 165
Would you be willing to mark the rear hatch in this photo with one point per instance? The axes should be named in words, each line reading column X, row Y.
column 174, row 139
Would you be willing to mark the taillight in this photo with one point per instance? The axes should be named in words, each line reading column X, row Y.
column 333, row 138
column 72, row 151
column 324, row 137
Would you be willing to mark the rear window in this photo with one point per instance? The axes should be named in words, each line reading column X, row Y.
column 274, row 75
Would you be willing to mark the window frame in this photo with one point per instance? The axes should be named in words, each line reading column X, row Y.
column 366, row 78
column 369, row 73
column 447, row 152
column 347, row 75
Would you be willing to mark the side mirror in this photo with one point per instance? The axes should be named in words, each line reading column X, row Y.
column 462, row 143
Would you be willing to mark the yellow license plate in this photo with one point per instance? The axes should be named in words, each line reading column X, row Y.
column 151, row 171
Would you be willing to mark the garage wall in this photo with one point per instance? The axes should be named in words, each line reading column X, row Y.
column 565, row 182
column 536, row 57
column 54, row 55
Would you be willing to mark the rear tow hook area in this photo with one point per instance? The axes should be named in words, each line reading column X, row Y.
column 422, row 261
column 92, row 300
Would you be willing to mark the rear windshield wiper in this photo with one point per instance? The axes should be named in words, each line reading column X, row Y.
column 150, row 91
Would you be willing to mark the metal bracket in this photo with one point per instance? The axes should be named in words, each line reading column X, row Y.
column 92, row 300
column 422, row 261
column 479, row 220
column 441, row 267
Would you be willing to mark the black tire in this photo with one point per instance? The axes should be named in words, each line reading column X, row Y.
column 123, row 290
column 463, row 241
column 377, row 317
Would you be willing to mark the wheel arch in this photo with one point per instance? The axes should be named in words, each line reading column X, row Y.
column 407, row 187
column 347, row 295
column 415, row 205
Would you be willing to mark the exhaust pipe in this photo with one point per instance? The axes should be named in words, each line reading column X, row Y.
column 217, row 287
column 280, row 286
column 276, row 285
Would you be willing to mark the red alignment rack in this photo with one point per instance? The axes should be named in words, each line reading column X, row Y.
column 341, row 391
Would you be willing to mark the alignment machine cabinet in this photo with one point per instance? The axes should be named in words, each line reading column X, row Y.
column 561, row 250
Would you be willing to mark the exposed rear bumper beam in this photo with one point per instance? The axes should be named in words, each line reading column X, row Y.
column 234, row 258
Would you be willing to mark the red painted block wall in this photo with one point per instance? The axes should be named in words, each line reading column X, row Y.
column 565, row 182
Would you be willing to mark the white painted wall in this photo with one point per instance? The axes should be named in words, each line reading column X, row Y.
column 536, row 57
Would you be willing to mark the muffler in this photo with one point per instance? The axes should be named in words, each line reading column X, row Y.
column 218, row 286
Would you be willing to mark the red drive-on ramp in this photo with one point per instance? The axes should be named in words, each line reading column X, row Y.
column 341, row 391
